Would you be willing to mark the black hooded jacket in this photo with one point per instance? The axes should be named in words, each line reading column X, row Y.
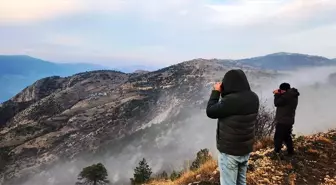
column 286, row 104
column 236, row 113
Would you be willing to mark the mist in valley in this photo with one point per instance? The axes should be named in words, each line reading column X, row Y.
column 172, row 148
column 315, row 112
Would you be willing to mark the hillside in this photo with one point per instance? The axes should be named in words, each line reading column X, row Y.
column 314, row 163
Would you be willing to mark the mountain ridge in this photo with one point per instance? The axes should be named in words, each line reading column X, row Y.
column 19, row 71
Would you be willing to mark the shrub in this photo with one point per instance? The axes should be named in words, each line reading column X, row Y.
column 265, row 124
column 95, row 174
column 175, row 175
column 162, row 175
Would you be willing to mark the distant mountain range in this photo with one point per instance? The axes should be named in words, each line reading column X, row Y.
column 19, row 71
column 287, row 61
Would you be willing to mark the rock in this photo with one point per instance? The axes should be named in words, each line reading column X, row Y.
column 267, row 181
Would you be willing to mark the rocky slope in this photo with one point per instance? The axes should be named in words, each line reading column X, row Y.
column 314, row 163
column 103, row 113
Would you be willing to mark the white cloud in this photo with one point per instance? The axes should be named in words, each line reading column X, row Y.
column 18, row 10
column 244, row 12
column 14, row 11
column 238, row 12
column 250, row 12
column 314, row 41
column 176, row 29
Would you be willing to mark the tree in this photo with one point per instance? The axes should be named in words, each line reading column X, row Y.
column 142, row 173
column 265, row 124
column 162, row 175
column 175, row 175
column 95, row 174
column 202, row 157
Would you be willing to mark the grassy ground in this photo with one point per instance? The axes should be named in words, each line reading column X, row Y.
column 314, row 163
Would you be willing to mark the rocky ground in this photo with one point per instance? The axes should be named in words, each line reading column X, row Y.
column 313, row 164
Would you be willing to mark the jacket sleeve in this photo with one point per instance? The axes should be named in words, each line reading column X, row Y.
column 279, row 100
column 217, row 109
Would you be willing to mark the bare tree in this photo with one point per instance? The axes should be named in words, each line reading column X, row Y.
column 265, row 124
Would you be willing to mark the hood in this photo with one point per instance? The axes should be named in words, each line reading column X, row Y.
column 235, row 81
column 293, row 92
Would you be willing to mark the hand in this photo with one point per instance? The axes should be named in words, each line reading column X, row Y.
column 277, row 91
column 217, row 86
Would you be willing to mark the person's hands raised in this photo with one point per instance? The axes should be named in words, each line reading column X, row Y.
column 276, row 91
column 217, row 86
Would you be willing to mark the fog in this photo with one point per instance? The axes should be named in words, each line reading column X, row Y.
column 172, row 147
column 315, row 112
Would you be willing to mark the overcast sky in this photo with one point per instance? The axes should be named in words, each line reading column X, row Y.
column 149, row 32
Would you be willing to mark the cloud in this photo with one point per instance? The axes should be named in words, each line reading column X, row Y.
column 64, row 40
column 252, row 12
column 177, row 29
column 239, row 12
column 18, row 11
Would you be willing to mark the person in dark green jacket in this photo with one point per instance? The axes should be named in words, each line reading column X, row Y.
column 286, row 102
column 237, row 114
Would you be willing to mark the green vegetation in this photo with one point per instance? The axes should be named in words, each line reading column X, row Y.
column 202, row 157
column 93, row 175
column 175, row 175
column 142, row 173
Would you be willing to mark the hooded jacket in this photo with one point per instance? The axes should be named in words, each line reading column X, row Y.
column 236, row 113
column 286, row 104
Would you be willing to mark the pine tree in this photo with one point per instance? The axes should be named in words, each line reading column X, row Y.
column 175, row 175
column 95, row 174
column 142, row 173
column 163, row 175
column 202, row 157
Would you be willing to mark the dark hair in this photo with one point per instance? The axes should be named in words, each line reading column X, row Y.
column 285, row 86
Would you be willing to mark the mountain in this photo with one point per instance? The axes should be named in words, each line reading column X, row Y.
column 26, row 65
column 287, row 61
column 19, row 71
column 63, row 123
column 58, row 125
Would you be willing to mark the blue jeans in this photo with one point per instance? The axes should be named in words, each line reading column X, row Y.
column 232, row 169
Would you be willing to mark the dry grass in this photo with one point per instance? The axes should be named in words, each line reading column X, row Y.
column 324, row 140
column 263, row 143
column 292, row 179
column 205, row 172
column 310, row 166
column 313, row 151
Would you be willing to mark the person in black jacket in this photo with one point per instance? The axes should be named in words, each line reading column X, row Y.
column 236, row 113
column 286, row 102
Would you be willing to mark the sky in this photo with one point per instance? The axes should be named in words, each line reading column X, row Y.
column 163, row 32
